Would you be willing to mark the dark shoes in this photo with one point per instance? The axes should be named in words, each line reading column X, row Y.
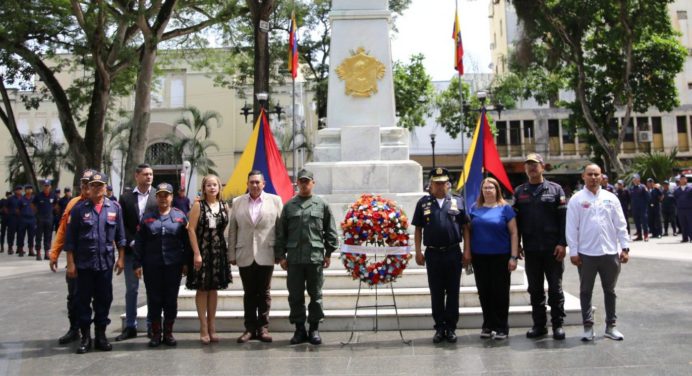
column 558, row 333
column 314, row 337
column 100, row 340
column 439, row 336
column 264, row 336
column 451, row 336
column 537, row 332
column 126, row 334
column 85, row 341
column 168, row 338
column 300, row 335
column 71, row 336
column 246, row 336
column 155, row 340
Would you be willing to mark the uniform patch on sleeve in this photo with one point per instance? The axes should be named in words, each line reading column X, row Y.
column 150, row 220
column 112, row 216
column 563, row 200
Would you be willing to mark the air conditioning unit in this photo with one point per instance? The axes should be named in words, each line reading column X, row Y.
column 645, row 136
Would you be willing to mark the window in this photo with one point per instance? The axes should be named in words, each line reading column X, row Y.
column 642, row 124
column 682, row 124
column 177, row 92
column 553, row 128
column 656, row 124
column 528, row 129
column 501, row 133
column 162, row 153
column 629, row 131
column 515, row 132
column 567, row 134
column 682, row 15
column 689, row 86
column 157, row 92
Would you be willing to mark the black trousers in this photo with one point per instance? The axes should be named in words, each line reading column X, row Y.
column 543, row 264
column 72, row 314
column 444, row 280
column 257, row 299
column 669, row 218
column 94, row 286
column 3, row 231
column 654, row 215
column 162, row 283
column 44, row 232
column 492, row 281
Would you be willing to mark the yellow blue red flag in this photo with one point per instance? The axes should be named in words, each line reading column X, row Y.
column 293, row 47
column 458, row 46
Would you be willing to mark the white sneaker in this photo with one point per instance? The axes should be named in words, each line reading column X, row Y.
column 486, row 333
column 612, row 333
column 588, row 334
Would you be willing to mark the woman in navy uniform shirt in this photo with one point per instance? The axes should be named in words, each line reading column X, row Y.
column 161, row 246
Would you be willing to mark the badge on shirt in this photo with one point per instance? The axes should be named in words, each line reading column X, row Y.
column 585, row 204
column 86, row 216
column 112, row 216
column 454, row 209
column 563, row 200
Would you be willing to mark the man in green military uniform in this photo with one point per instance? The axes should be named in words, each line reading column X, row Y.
column 305, row 239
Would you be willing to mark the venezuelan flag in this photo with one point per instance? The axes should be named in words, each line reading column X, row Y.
column 482, row 155
column 261, row 154
column 293, row 47
column 458, row 46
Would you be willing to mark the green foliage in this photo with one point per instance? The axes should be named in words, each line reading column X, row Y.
column 413, row 91
column 658, row 166
column 47, row 155
column 449, row 105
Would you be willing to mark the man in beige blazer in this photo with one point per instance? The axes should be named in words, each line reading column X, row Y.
column 251, row 247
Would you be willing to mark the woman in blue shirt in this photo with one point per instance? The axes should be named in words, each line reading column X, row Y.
column 494, row 247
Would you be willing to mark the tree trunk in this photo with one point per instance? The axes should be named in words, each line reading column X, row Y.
column 96, row 121
column 11, row 124
column 141, row 115
column 260, row 11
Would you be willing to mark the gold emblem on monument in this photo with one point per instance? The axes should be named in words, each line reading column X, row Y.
column 360, row 72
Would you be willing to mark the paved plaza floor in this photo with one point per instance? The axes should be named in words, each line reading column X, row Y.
column 654, row 310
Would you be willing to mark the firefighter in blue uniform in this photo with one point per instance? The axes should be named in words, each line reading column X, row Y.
column 541, row 215
column 4, row 218
column 13, row 218
column 439, row 219
column 161, row 249
column 46, row 204
column 95, row 228
column 640, row 198
column 27, row 221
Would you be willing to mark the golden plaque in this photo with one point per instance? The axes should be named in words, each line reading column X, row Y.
column 360, row 72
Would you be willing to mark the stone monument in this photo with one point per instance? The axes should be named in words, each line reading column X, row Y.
column 362, row 150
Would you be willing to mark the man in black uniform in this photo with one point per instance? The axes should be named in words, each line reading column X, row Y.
column 4, row 218
column 654, row 214
column 668, row 209
column 439, row 219
column 541, row 215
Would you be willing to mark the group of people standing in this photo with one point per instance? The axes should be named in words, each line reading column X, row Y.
column 538, row 227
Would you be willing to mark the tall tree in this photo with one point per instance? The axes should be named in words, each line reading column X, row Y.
column 413, row 91
column 449, row 105
column 614, row 54
column 8, row 118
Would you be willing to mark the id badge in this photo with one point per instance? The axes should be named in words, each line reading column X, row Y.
column 212, row 221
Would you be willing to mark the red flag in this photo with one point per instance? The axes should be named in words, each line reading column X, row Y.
column 293, row 47
column 458, row 46
column 491, row 158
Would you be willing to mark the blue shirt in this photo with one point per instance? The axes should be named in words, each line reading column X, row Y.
column 3, row 205
column 161, row 239
column 489, row 232
column 91, row 235
column 182, row 203
column 25, row 209
column 683, row 197
column 45, row 204
column 639, row 197
column 13, row 206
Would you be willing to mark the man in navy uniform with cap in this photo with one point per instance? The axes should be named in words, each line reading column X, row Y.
column 541, row 213
column 639, row 201
column 439, row 219
column 683, row 199
column 46, row 205
column 27, row 221
column 13, row 218
column 95, row 228
column 3, row 220
column 654, row 209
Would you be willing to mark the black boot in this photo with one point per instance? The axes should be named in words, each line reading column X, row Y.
column 155, row 340
column 10, row 251
column 85, row 342
column 20, row 252
column 100, row 340
column 38, row 255
column 168, row 338
column 314, row 335
column 71, row 336
column 300, row 335
column 31, row 251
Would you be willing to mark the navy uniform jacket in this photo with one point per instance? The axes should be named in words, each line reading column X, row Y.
column 45, row 205
column 639, row 197
column 26, row 211
column 655, row 198
column 162, row 239
column 442, row 226
column 683, row 197
column 668, row 204
column 92, row 236
column 541, row 216
column 3, row 206
column 624, row 197
column 13, row 207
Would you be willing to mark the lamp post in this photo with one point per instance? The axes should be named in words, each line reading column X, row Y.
column 262, row 98
column 432, row 145
column 482, row 97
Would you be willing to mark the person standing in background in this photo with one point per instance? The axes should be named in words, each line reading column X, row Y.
column 640, row 198
column 46, row 204
column 668, row 209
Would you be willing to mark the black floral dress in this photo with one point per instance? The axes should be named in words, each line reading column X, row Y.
column 215, row 272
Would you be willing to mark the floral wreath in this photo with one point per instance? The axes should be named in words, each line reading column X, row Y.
column 375, row 225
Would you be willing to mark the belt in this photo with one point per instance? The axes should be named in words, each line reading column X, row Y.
column 452, row 247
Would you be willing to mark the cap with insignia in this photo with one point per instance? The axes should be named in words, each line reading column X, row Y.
column 29, row 186
column 305, row 174
column 666, row 182
column 18, row 187
column 98, row 177
column 57, row 191
column 109, row 188
column 164, row 187
column 86, row 175
column 68, row 189
column 636, row 176
column 621, row 182
column 534, row 157
column 439, row 174
column 46, row 182
column 649, row 180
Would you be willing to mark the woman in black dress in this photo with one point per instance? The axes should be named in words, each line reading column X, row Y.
column 210, row 269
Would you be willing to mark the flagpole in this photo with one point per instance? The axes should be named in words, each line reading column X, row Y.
column 293, row 100
column 461, row 116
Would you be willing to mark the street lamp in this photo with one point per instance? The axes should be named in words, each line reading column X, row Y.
column 482, row 97
column 432, row 144
column 262, row 98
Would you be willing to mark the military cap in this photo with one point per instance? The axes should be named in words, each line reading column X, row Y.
column 18, row 187
column 46, row 182
column 534, row 157
column 439, row 174
column 164, row 187
column 86, row 175
column 305, row 174
column 98, row 177
column 29, row 186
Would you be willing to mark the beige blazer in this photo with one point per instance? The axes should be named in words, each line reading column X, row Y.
column 247, row 241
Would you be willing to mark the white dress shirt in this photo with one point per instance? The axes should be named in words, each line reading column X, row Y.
column 142, row 198
column 255, row 208
column 595, row 224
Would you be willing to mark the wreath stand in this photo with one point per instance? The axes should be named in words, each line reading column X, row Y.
column 377, row 306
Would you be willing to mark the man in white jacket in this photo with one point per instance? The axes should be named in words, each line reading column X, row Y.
column 595, row 227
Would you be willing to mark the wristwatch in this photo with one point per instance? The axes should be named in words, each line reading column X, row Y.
column 626, row 250
column 515, row 258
